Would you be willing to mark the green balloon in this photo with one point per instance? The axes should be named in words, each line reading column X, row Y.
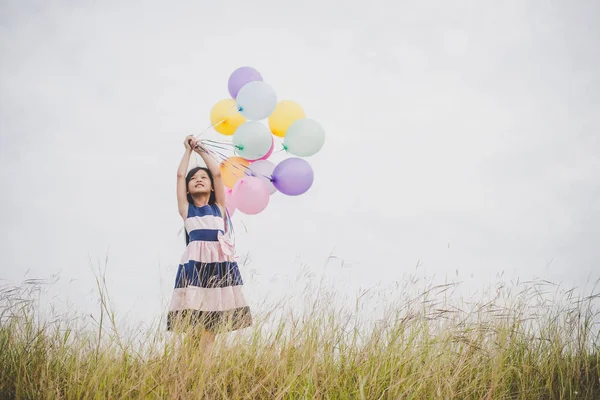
column 252, row 140
column 304, row 138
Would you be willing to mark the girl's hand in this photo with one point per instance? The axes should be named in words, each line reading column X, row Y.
column 199, row 148
column 190, row 142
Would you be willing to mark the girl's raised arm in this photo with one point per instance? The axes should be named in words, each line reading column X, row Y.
column 182, row 201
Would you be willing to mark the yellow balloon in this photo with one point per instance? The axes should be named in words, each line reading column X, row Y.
column 233, row 169
column 225, row 117
column 285, row 114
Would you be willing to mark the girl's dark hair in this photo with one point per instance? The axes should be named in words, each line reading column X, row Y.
column 212, row 198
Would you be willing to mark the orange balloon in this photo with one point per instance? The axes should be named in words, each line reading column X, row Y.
column 233, row 169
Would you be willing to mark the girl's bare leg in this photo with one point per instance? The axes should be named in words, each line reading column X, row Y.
column 207, row 341
column 204, row 340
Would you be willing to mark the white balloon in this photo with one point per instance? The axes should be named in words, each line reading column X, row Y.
column 252, row 140
column 304, row 138
column 256, row 100
column 263, row 169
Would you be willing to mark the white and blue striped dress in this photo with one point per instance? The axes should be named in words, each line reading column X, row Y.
column 208, row 285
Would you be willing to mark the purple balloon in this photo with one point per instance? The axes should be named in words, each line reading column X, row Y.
column 241, row 77
column 293, row 176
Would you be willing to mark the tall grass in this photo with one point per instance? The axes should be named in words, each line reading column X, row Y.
column 514, row 343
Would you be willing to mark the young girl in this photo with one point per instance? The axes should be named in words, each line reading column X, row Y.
column 208, row 286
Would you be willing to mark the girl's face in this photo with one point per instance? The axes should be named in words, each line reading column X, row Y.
column 200, row 183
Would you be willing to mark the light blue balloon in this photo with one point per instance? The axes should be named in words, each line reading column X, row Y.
column 256, row 100
column 304, row 138
column 252, row 140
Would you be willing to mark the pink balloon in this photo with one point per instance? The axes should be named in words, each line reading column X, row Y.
column 250, row 195
column 229, row 201
column 268, row 152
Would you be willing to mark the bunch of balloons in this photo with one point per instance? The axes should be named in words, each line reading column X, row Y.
column 249, row 176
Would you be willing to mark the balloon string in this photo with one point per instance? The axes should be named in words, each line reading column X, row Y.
column 216, row 155
column 223, row 158
column 210, row 126
column 218, row 145
column 215, row 147
column 216, row 152
column 210, row 147
column 244, row 168
column 217, row 142
column 235, row 106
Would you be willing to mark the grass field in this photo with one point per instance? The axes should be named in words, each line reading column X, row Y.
column 515, row 343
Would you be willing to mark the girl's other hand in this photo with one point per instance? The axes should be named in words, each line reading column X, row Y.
column 190, row 142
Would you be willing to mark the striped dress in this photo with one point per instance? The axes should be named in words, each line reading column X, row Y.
column 208, row 284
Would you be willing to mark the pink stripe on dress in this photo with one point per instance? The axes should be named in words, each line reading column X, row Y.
column 207, row 299
column 204, row 222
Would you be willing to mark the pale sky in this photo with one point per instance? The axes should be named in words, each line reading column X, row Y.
column 461, row 135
